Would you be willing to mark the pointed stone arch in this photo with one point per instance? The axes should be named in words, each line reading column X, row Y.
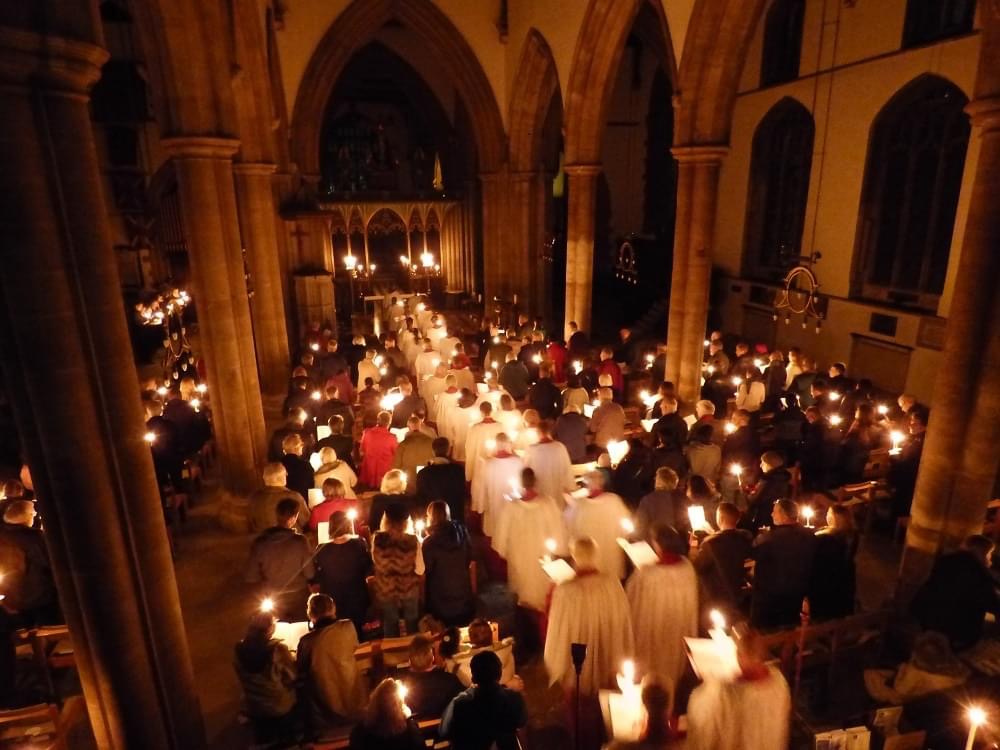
column 357, row 26
column 536, row 82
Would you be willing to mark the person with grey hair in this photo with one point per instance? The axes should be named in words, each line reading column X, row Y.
column 27, row 583
column 783, row 562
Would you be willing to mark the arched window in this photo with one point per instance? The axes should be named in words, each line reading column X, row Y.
column 782, row 42
column 779, row 187
column 912, row 180
column 930, row 20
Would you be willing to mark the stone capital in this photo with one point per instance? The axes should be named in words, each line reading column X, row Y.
column 254, row 168
column 700, row 153
column 200, row 147
column 57, row 64
column 985, row 113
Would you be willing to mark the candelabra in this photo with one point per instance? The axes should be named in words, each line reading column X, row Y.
column 167, row 310
column 426, row 269
column 357, row 272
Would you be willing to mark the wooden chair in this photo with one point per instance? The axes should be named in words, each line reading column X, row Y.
column 863, row 495
column 33, row 726
column 877, row 466
column 53, row 650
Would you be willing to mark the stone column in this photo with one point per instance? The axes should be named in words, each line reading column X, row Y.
column 697, row 197
column 581, row 180
column 255, row 203
column 958, row 467
column 496, row 271
column 208, row 211
column 68, row 369
column 526, row 234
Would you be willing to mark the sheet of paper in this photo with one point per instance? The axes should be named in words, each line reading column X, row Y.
column 690, row 419
column 322, row 431
column 640, row 553
column 558, row 570
column 399, row 432
column 290, row 633
column 315, row 461
column 315, row 497
column 323, row 532
column 710, row 661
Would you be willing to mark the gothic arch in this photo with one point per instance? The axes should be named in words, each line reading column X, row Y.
column 354, row 28
column 599, row 48
column 535, row 83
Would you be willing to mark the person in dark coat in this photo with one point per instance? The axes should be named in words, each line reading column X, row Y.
column 743, row 445
column 720, row 563
column 774, row 484
column 442, row 479
column 281, row 564
column 783, row 564
column 301, row 477
column 960, row 591
column 295, row 424
column 342, row 444
column 28, row 585
column 193, row 429
column 578, row 344
column 487, row 714
column 832, row 591
column 447, row 554
column 661, row 506
column 514, row 378
column 819, row 451
column 633, row 478
column 429, row 688
column 903, row 467
column 571, row 430
column 341, row 570
column 544, row 397
column 670, row 423
column 165, row 444
column 410, row 404
column 668, row 453
column 335, row 406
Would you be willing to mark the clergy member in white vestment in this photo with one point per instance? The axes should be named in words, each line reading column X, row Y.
column 465, row 378
column 368, row 369
column 528, row 433
column 478, row 442
column 444, row 402
column 508, row 415
column 447, row 346
column 599, row 515
column 592, row 609
column 663, row 598
column 551, row 463
column 750, row 712
column 497, row 479
column 433, row 387
column 425, row 365
column 528, row 523
column 410, row 344
column 465, row 413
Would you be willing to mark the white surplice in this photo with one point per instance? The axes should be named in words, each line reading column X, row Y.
column 430, row 389
column 740, row 715
column 590, row 609
column 600, row 517
column 461, row 420
column 520, row 538
column 476, row 447
column 494, row 482
column 663, row 600
column 424, row 367
column 553, row 469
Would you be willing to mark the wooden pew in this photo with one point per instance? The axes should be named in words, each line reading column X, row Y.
column 32, row 727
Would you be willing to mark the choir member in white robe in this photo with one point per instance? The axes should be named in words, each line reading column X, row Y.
column 526, row 527
column 367, row 368
column 493, row 394
column 508, row 415
column 447, row 346
column 663, row 599
column 551, row 463
column 599, row 515
column 527, row 434
column 465, row 378
column 425, row 365
column 410, row 345
column 592, row 609
column 751, row 712
column 497, row 481
column 436, row 334
column 423, row 317
column 461, row 418
column 481, row 440
column 433, row 387
column 444, row 401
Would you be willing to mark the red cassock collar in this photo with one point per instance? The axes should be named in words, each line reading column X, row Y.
column 669, row 558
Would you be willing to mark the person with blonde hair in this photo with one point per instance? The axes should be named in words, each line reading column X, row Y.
column 391, row 490
column 331, row 467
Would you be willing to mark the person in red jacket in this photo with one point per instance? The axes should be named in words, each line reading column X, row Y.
column 608, row 366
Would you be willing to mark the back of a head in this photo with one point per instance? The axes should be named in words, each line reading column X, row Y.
column 584, row 552
column 528, row 479
column 486, row 669
column 19, row 512
column 440, row 446
column 333, row 487
column 275, row 474
column 421, row 653
column 666, row 479
column 773, row 459
column 384, row 419
column 789, row 508
column 699, row 488
column 396, row 517
column 667, row 539
column 320, row 606
column 393, row 482
column 979, row 545
column 285, row 510
column 438, row 512
column 384, row 716
column 291, row 443
column 657, row 697
column 728, row 514
column 480, row 633
column 451, row 642
column 327, row 455
column 703, row 408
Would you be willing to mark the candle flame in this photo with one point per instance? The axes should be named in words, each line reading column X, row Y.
column 267, row 604
column 737, row 381
column 315, row 395
column 628, row 526
column 836, row 419
column 352, row 514
column 149, row 437
column 718, row 621
column 550, row 545
column 730, row 428
column 977, row 716
column 735, row 469
column 882, row 409
column 833, row 396
column 201, row 388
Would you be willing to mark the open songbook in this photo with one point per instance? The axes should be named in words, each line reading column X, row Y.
column 640, row 553
column 290, row 633
column 323, row 532
column 558, row 570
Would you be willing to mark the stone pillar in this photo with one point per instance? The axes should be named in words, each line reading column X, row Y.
column 958, row 467
column 581, row 180
column 68, row 369
column 526, row 234
column 496, row 271
column 451, row 249
column 208, row 212
column 255, row 203
column 697, row 197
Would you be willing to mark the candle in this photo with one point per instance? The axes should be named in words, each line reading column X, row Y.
column 897, row 438
column 420, row 526
column 162, row 391
column 882, row 409
column 195, row 404
column 314, row 346
column 617, row 450
column 352, row 516
column 977, row 717
column 730, row 428
column 759, row 364
column 149, row 437
column 201, row 388
column 627, row 713
column 267, row 604
column 836, row 419
column 577, row 367
column 401, row 691
column 316, row 395
column 707, row 343
column 833, row 396
column 737, row 381
column 711, row 369
column 536, row 358
column 627, row 526
column 808, row 513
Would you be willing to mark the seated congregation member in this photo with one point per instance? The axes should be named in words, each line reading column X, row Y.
column 342, row 567
column 904, row 466
column 704, row 457
column 661, row 505
column 863, row 436
column 410, row 404
column 335, row 407
column 377, row 448
column 657, row 733
column 819, row 451
column 492, row 484
column 752, row 712
column 331, row 467
column 298, row 470
column 743, row 445
column 609, row 367
column 447, row 554
column 663, row 599
column 442, row 479
column 529, row 522
column 774, row 483
column 295, row 424
column 668, row 454
column 193, row 427
column 331, row 688
column 343, row 445
column 720, row 562
column 281, row 564
column 608, row 420
column 571, row 430
column 481, row 638
column 166, row 447
column 574, row 394
column 544, row 396
column 550, row 461
column 415, row 450
column 392, row 491
column 668, row 422
column 264, row 502
column 831, row 593
column 960, row 591
column 266, row 671
column 486, row 715
column 783, row 564
column 598, row 516
column 398, row 567
column 429, row 687
column 25, row 570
